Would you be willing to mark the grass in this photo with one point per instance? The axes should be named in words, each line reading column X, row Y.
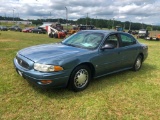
column 126, row 95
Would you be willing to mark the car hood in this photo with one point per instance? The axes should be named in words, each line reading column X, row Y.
column 49, row 53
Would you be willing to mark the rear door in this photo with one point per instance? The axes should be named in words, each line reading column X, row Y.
column 129, row 49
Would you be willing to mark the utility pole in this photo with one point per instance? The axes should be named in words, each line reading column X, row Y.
column 49, row 18
column 113, row 24
column 4, row 16
column 96, row 21
column 142, row 25
column 66, row 17
column 130, row 25
column 13, row 15
column 86, row 19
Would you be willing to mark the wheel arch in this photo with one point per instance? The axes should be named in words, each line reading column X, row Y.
column 88, row 64
column 92, row 68
column 141, row 54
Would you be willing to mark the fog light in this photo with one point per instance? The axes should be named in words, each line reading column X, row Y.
column 45, row 82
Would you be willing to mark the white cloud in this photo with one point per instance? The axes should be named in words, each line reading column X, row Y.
column 34, row 1
column 122, row 17
column 134, row 10
column 140, row 18
column 128, row 8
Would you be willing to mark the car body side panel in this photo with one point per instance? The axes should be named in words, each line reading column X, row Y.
column 129, row 54
column 107, row 61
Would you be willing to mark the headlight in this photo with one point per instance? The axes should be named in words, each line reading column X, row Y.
column 47, row 68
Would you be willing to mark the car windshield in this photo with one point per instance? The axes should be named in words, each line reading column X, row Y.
column 85, row 40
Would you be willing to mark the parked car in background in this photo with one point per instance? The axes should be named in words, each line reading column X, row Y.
column 3, row 28
column 15, row 28
column 86, row 27
column 39, row 30
column 27, row 30
column 143, row 33
column 133, row 32
column 79, row 58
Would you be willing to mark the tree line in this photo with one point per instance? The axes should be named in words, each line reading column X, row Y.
column 111, row 24
column 99, row 23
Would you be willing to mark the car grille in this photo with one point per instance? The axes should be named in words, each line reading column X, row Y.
column 22, row 63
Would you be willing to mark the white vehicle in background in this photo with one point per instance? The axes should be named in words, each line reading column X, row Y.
column 143, row 33
column 54, row 33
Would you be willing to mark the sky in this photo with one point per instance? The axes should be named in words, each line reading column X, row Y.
column 141, row 11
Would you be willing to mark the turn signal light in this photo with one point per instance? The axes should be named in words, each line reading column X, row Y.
column 45, row 82
column 58, row 68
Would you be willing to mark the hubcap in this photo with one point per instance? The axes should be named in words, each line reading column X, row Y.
column 138, row 63
column 81, row 78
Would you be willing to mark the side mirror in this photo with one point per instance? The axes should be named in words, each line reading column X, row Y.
column 108, row 46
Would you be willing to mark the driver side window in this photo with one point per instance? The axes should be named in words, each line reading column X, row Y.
column 113, row 40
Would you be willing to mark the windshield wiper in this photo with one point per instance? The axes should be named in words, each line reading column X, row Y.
column 69, row 44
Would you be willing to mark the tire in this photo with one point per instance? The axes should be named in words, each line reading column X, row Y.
column 151, row 38
column 138, row 63
column 55, row 35
column 80, row 78
column 51, row 35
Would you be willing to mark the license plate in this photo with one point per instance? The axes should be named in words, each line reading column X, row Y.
column 20, row 73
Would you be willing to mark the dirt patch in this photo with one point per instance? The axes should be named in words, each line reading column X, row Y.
column 9, row 40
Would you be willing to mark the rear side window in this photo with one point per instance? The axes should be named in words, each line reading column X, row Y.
column 127, row 40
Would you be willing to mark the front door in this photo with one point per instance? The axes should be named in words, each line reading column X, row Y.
column 109, row 60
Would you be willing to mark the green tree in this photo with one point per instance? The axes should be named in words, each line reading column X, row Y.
column 149, row 28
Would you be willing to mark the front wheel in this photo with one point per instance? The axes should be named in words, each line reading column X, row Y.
column 138, row 63
column 80, row 78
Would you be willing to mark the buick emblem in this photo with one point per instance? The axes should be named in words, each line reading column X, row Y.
column 20, row 62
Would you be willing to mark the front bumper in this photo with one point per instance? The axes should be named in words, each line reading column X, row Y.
column 59, row 79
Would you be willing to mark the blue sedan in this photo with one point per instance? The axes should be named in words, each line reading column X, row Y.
column 80, row 58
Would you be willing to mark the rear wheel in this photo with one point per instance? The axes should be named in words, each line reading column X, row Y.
column 55, row 35
column 138, row 63
column 51, row 35
column 80, row 78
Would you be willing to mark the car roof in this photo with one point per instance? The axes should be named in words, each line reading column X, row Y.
column 102, row 31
